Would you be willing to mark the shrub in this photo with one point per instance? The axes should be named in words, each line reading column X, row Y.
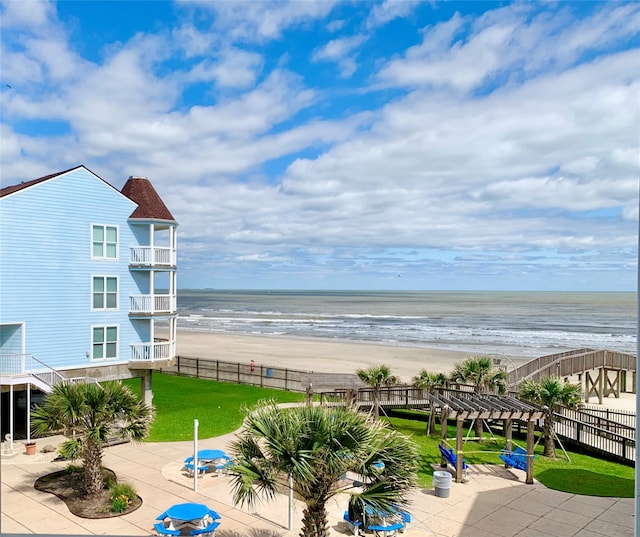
column 121, row 496
column 74, row 469
column 110, row 481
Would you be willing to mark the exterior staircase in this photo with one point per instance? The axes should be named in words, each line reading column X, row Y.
column 17, row 369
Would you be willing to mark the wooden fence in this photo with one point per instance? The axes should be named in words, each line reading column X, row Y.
column 240, row 373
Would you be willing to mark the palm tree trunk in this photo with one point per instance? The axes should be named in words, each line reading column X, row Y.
column 92, row 455
column 314, row 521
column 376, row 405
column 479, row 429
column 549, row 444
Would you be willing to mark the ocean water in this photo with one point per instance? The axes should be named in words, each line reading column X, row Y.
column 517, row 324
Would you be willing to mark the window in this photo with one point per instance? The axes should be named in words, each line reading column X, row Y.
column 105, row 242
column 105, row 293
column 105, row 342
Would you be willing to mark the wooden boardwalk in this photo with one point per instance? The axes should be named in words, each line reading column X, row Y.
column 604, row 372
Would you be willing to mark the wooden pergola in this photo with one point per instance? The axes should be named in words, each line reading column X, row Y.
column 464, row 405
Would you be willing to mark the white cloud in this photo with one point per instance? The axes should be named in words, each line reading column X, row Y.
column 32, row 15
column 341, row 51
column 264, row 20
column 463, row 53
column 505, row 136
column 388, row 10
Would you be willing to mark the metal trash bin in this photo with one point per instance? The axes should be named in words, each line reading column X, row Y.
column 442, row 483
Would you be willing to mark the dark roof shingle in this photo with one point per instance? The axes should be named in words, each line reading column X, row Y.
column 150, row 205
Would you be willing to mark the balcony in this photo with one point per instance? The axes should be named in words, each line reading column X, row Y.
column 146, row 256
column 152, row 304
column 150, row 353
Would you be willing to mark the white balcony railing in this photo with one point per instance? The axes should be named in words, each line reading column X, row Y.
column 152, row 304
column 27, row 364
column 150, row 352
column 153, row 257
column 14, row 364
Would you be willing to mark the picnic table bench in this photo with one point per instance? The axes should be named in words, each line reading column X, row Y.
column 516, row 458
column 385, row 530
column 163, row 530
column 208, row 530
column 201, row 469
column 354, row 525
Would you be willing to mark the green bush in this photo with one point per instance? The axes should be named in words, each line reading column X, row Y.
column 74, row 469
column 110, row 481
column 121, row 496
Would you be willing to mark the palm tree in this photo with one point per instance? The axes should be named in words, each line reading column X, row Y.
column 480, row 372
column 430, row 381
column 314, row 447
column 93, row 413
column 377, row 377
column 551, row 392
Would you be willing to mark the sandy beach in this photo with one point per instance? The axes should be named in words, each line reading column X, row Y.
column 319, row 355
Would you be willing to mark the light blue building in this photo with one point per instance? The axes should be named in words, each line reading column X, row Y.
column 87, row 286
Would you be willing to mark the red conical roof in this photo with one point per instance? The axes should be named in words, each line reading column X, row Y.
column 150, row 205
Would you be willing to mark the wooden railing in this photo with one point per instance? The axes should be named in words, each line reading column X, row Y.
column 240, row 373
column 567, row 364
column 399, row 396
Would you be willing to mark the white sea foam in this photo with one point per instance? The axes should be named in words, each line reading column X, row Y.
column 516, row 324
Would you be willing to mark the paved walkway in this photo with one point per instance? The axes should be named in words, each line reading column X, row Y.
column 494, row 503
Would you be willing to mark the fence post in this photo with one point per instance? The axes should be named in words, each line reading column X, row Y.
column 197, row 367
column 217, row 370
column 286, row 379
column 261, row 376
column 238, row 372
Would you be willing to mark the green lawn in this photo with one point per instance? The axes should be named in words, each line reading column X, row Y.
column 584, row 475
column 218, row 408
column 216, row 405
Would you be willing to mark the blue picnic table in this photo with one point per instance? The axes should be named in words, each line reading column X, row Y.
column 197, row 515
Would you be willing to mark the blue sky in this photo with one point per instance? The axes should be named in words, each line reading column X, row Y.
column 347, row 145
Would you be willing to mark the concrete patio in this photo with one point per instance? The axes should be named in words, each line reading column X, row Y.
column 494, row 503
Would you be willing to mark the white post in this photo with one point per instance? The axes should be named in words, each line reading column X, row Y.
column 195, row 455
column 11, row 432
column 28, row 412
column 290, row 502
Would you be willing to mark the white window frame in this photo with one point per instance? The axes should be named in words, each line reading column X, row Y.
column 105, row 293
column 104, row 342
column 105, row 242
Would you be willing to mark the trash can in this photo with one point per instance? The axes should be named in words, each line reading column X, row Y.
column 442, row 484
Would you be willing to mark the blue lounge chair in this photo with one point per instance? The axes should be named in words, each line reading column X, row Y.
column 163, row 530
column 516, row 458
column 209, row 530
